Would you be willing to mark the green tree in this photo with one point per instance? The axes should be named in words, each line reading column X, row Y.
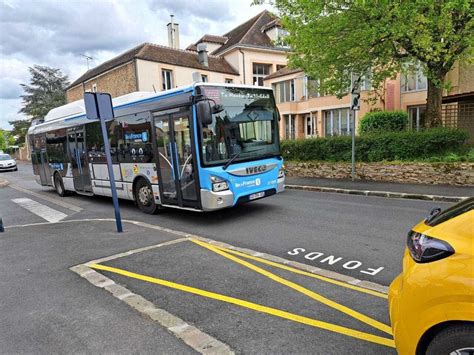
column 331, row 38
column 3, row 141
column 20, row 128
column 46, row 90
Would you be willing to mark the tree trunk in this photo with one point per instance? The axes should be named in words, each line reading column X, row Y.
column 433, row 105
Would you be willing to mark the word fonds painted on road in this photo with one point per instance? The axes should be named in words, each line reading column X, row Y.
column 331, row 260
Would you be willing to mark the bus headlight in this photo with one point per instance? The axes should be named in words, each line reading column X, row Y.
column 219, row 184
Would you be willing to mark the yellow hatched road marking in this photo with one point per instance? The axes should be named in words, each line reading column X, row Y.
column 306, row 273
column 254, row 306
column 317, row 297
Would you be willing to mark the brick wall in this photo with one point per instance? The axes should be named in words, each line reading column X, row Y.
column 117, row 82
column 418, row 173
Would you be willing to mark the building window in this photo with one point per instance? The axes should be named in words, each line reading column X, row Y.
column 260, row 71
column 229, row 81
column 337, row 122
column 312, row 88
column 94, row 87
column 167, row 79
column 204, row 78
column 413, row 81
column 416, row 117
column 290, row 129
column 311, row 130
column 281, row 39
column 284, row 91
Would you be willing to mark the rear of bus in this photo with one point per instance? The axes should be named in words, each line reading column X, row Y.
column 239, row 147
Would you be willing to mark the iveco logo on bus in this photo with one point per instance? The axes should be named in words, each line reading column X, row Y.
column 253, row 170
column 256, row 169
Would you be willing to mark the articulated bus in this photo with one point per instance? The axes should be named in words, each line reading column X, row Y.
column 202, row 147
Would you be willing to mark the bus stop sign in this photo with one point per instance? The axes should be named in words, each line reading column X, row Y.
column 98, row 106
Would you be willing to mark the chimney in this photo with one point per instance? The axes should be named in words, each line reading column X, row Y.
column 202, row 53
column 173, row 34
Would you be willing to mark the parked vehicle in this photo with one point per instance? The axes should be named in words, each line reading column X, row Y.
column 7, row 163
column 432, row 301
column 201, row 147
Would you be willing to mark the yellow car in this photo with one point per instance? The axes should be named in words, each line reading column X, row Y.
column 432, row 301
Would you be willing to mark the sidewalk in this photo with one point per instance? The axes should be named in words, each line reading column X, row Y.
column 382, row 189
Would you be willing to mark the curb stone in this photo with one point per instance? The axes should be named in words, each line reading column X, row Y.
column 387, row 194
column 192, row 336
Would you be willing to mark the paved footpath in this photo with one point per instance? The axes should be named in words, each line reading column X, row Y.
column 383, row 189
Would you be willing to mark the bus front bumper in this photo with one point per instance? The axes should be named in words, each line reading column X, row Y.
column 211, row 201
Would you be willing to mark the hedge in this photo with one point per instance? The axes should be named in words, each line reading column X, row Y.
column 377, row 147
column 383, row 121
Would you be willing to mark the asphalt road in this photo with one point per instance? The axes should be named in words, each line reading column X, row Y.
column 49, row 309
column 363, row 237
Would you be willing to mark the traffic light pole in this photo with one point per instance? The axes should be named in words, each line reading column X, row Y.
column 352, row 113
column 355, row 106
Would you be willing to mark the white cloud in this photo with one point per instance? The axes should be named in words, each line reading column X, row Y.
column 55, row 33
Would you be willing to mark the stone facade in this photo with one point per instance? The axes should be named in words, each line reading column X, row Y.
column 416, row 173
column 118, row 81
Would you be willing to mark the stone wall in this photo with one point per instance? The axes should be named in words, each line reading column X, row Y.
column 417, row 173
column 118, row 81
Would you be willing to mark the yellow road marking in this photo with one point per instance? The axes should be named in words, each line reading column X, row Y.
column 254, row 306
column 306, row 273
column 317, row 297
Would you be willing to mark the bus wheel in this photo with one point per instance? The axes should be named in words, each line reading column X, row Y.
column 58, row 185
column 144, row 197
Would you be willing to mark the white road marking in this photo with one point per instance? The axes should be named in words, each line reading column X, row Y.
column 56, row 201
column 43, row 211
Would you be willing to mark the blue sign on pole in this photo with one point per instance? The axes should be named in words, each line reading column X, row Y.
column 99, row 106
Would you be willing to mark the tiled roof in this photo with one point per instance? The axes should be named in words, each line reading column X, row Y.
column 275, row 23
column 249, row 33
column 209, row 39
column 282, row 72
column 160, row 54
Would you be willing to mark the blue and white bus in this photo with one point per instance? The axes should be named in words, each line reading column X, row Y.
column 201, row 147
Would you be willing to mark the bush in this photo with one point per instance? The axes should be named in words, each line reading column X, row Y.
column 383, row 121
column 378, row 146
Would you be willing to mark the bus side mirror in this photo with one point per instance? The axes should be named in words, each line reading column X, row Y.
column 204, row 112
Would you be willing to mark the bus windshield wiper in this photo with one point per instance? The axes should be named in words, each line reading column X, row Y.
column 226, row 165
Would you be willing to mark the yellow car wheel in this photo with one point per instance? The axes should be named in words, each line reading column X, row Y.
column 456, row 340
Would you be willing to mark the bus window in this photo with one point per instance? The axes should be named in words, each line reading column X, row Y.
column 56, row 145
column 133, row 143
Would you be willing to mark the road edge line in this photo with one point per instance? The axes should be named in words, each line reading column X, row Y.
column 375, row 193
column 189, row 334
column 304, row 267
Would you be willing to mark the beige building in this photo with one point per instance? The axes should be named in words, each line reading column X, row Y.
column 306, row 112
column 244, row 55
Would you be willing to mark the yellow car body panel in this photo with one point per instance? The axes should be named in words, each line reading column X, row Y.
column 427, row 294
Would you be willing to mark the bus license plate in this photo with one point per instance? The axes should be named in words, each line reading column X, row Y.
column 257, row 195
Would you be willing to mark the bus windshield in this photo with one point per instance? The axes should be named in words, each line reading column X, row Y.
column 246, row 126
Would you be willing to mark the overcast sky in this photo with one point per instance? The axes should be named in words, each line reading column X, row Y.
column 55, row 33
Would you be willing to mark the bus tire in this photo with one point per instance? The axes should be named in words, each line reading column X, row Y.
column 58, row 185
column 144, row 197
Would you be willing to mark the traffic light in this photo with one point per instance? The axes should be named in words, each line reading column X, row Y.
column 355, row 92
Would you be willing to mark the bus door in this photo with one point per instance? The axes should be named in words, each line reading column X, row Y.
column 79, row 164
column 40, row 159
column 175, row 152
